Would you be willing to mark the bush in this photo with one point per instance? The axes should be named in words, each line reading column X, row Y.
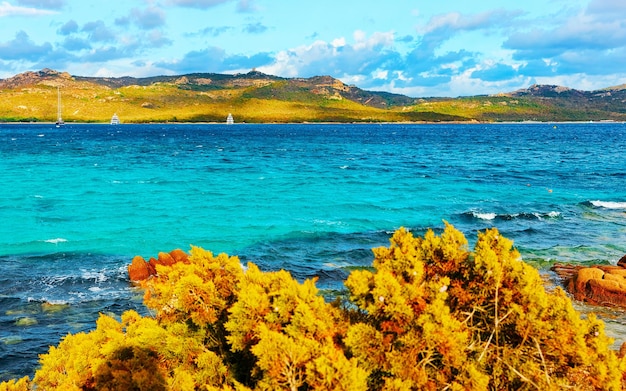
column 441, row 317
column 430, row 315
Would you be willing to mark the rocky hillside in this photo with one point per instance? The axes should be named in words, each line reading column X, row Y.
column 323, row 86
column 258, row 97
column 610, row 100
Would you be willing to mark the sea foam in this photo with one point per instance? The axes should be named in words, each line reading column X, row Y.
column 513, row 216
column 608, row 204
column 485, row 216
column 56, row 240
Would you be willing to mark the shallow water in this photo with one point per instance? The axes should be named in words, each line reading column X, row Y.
column 78, row 202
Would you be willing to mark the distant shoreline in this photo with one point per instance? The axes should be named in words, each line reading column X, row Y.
column 321, row 123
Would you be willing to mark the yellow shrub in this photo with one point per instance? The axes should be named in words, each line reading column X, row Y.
column 480, row 320
column 431, row 315
column 22, row 384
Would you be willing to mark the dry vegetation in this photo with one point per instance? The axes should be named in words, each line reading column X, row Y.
column 428, row 315
column 259, row 98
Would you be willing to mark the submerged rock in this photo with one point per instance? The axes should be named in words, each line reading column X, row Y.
column 597, row 285
column 140, row 270
column 11, row 340
column 54, row 307
column 26, row 321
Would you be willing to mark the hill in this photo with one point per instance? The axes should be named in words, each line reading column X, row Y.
column 257, row 97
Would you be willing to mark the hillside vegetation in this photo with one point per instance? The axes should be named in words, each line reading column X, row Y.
column 255, row 97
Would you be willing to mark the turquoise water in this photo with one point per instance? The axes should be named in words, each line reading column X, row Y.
column 78, row 202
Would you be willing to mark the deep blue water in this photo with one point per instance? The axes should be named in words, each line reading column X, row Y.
column 78, row 202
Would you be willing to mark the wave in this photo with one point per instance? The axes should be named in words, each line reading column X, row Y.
column 56, row 240
column 606, row 204
column 484, row 216
column 64, row 278
column 489, row 216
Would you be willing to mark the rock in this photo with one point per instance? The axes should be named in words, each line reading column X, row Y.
column 565, row 271
column 622, row 261
column 54, row 307
column 165, row 259
column 152, row 264
column 26, row 321
column 140, row 270
column 607, row 292
column 597, row 285
column 578, row 284
column 181, row 256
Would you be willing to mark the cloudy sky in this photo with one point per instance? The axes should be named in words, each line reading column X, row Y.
column 418, row 48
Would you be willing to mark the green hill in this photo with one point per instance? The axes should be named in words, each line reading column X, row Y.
column 256, row 97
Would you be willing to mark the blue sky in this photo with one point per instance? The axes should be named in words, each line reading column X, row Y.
column 419, row 48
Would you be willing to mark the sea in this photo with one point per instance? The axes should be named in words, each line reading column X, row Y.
column 78, row 202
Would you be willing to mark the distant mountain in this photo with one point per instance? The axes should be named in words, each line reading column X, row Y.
column 27, row 79
column 610, row 102
column 258, row 97
column 319, row 85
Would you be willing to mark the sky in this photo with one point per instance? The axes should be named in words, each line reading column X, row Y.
column 419, row 48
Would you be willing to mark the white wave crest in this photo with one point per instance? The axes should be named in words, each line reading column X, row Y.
column 484, row 216
column 56, row 240
column 96, row 276
column 608, row 204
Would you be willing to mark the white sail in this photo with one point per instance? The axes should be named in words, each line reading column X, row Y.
column 59, row 118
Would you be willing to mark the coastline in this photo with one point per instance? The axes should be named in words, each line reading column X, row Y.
column 474, row 122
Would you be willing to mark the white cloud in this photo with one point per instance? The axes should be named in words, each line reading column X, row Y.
column 380, row 74
column 377, row 39
column 6, row 9
column 338, row 42
column 456, row 21
column 449, row 54
column 366, row 55
column 440, row 21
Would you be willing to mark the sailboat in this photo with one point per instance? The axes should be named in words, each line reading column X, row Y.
column 59, row 119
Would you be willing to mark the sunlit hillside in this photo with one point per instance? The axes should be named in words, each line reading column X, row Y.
column 258, row 98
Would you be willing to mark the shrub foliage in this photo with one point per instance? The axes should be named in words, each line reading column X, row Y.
column 429, row 315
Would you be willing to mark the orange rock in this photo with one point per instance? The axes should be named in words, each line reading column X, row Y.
column 179, row 256
column 578, row 284
column 565, row 271
column 622, row 262
column 619, row 279
column 152, row 266
column 138, row 269
column 166, row 259
column 599, row 285
column 606, row 292
column 615, row 270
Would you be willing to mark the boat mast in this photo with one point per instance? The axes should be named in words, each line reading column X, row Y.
column 59, row 120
